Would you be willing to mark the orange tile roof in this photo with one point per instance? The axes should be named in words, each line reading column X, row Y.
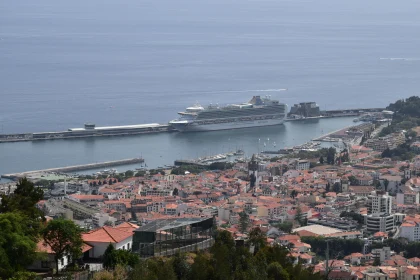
column 126, row 226
column 43, row 247
column 107, row 234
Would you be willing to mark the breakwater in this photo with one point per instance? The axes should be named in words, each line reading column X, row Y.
column 74, row 168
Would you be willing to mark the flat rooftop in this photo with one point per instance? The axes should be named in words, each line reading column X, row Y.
column 318, row 229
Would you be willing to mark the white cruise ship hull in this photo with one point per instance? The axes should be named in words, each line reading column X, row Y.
column 194, row 126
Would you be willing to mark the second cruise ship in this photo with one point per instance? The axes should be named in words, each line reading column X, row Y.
column 257, row 112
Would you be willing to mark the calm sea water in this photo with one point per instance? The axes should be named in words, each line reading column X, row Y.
column 64, row 63
column 160, row 149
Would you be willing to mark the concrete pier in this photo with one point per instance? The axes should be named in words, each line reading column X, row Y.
column 74, row 168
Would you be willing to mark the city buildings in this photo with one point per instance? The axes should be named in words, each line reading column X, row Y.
column 379, row 222
column 380, row 202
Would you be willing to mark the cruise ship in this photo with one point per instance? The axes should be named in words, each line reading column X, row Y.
column 257, row 112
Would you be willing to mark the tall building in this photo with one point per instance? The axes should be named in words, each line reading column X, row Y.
column 379, row 222
column 379, row 202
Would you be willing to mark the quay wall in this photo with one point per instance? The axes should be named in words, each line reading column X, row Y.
column 19, row 137
column 76, row 167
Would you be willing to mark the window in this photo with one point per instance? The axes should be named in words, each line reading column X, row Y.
column 128, row 246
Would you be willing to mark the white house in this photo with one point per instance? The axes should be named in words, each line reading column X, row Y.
column 47, row 262
column 100, row 238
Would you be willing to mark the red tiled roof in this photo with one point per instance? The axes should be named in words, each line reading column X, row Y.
column 126, row 226
column 43, row 247
column 106, row 234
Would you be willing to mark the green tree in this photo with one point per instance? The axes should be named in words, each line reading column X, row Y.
column 65, row 239
column 299, row 215
column 166, row 271
column 321, row 160
column 243, row 221
column 223, row 252
column 386, row 153
column 376, row 262
column 113, row 258
column 386, row 184
column 17, row 244
column 331, row 156
column 337, row 187
column 276, row 272
column 129, row 173
column 24, row 200
column 293, row 194
column 181, row 266
column 327, row 187
column 140, row 173
column 285, row 226
column 175, row 192
column 257, row 238
column 143, row 271
column 200, row 269
column 353, row 180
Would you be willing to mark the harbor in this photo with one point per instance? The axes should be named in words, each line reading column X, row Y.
column 71, row 169
column 91, row 130
column 160, row 149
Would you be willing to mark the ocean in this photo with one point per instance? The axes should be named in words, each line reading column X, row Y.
column 64, row 63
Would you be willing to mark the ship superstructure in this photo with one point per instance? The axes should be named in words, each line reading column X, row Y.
column 257, row 112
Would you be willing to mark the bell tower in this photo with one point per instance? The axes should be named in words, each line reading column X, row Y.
column 253, row 172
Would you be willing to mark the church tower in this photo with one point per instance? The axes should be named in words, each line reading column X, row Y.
column 253, row 172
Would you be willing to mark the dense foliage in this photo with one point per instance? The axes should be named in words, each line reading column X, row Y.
column 20, row 225
column 226, row 261
column 338, row 248
column 112, row 258
column 65, row 238
column 180, row 170
column 398, row 245
column 402, row 152
column 285, row 226
column 406, row 115
column 410, row 249
column 327, row 155
column 17, row 244
column 23, row 200
column 355, row 216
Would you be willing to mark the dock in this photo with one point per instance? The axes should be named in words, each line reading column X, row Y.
column 89, row 130
column 74, row 168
